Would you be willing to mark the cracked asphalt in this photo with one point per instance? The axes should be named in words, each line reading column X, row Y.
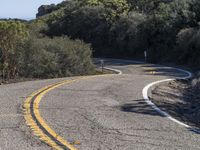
column 101, row 113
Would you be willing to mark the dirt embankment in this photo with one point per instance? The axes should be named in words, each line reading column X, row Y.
column 181, row 99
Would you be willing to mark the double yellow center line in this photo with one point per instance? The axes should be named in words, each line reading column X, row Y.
column 39, row 127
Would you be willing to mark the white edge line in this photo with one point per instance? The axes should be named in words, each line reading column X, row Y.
column 119, row 72
column 150, row 103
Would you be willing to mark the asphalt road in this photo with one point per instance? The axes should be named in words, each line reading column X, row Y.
column 100, row 113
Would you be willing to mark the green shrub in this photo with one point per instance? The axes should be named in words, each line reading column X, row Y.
column 188, row 47
column 12, row 33
column 57, row 57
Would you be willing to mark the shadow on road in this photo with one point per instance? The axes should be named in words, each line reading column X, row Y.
column 139, row 106
column 163, row 71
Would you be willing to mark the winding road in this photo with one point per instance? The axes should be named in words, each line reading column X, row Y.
column 107, row 112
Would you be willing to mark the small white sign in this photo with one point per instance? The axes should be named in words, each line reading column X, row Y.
column 102, row 62
column 145, row 54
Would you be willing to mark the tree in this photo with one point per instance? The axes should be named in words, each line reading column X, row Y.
column 146, row 6
column 115, row 8
column 11, row 34
column 195, row 9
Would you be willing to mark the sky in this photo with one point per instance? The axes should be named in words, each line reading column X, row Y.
column 23, row 9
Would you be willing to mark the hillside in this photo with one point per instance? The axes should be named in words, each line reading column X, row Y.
column 167, row 29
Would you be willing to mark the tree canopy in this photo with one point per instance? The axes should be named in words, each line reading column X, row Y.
column 128, row 27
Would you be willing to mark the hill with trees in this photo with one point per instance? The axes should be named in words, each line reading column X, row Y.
column 167, row 29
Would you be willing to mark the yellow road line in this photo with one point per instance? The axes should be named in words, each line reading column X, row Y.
column 35, row 121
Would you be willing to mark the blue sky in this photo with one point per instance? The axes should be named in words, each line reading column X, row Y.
column 22, row 8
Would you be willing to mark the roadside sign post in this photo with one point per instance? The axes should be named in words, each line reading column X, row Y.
column 102, row 64
column 145, row 55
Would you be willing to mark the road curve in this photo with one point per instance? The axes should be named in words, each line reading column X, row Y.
column 100, row 113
